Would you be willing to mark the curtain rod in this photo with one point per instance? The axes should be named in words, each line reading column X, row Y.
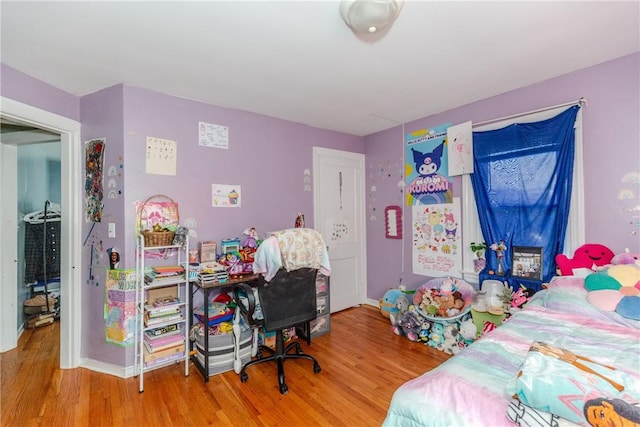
column 581, row 101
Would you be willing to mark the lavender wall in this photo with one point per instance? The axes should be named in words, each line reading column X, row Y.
column 266, row 157
column 611, row 131
column 28, row 90
column 101, row 115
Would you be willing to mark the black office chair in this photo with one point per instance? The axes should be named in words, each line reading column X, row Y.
column 288, row 300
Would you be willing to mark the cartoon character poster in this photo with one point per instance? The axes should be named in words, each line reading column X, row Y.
column 436, row 239
column 426, row 167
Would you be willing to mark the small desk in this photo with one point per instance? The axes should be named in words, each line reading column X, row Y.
column 206, row 290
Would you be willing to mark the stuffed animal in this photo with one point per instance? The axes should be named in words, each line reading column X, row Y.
column 436, row 336
column 589, row 256
column 626, row 258
column 468, row 331
column 394, row 301
column 180, row 238
column 450, row 342
column 407, row 324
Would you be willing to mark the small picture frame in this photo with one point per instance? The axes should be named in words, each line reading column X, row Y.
column 526, row 262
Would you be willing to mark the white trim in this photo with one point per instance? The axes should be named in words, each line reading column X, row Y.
column 108, row 368
column 70, row 286
column 575, row 228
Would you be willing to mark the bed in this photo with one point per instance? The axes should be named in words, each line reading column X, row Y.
column 476, row 387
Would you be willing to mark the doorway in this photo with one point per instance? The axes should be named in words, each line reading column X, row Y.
column 70, row 166
column 338, row 179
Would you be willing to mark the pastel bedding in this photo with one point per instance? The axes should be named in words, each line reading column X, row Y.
column 475, row 388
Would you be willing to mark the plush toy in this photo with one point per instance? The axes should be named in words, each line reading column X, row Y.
column 407, row 324
column 180, row 238
column 626, row 258
column 394, row 301
column 589, row 256
column 616, row 289
column 468, row 331
column 450, row 342
column 436, row 336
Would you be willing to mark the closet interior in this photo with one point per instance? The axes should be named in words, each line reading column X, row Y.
column 42, row 265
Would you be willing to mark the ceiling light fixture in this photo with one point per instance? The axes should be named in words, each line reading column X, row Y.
column 369, row 16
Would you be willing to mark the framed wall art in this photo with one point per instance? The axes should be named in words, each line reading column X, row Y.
column 526, row 262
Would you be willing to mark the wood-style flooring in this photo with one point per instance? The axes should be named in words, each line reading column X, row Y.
column 362, row 363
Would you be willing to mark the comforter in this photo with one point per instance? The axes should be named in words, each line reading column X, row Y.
column 475, row 388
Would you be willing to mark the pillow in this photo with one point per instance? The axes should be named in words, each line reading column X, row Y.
column 618, row 282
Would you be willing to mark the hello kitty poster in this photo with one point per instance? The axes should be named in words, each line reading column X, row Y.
column 436, row 239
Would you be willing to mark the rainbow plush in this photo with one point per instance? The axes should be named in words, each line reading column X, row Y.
column 616, row 289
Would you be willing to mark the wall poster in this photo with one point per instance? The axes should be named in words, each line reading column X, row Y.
column 426, row 167
column 162, row 155
column 460, row 142
column 436, row 239
column 226, row 196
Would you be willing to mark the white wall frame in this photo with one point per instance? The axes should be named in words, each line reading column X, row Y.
column 71, row 203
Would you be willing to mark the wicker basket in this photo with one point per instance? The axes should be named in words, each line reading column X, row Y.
column 157, row 238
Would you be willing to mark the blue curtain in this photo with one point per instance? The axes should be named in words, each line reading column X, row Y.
column 522, row 184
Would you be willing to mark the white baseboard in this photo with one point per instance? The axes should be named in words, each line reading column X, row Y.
column 372, row 302
column 108, row 368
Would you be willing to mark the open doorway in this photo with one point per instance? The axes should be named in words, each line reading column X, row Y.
column 70, row 195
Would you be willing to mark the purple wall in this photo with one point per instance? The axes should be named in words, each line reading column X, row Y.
column 28, row 90
column 266, row 157
column 611, row 134
column 101, row 117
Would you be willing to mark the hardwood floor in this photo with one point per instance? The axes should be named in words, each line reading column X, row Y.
column 362, row 362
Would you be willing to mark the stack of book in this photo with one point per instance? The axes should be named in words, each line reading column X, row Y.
column 163, row 344
column 164, row 274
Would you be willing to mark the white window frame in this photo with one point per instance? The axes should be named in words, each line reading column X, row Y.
column 575, row 236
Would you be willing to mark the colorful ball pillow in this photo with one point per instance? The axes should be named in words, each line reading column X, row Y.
column 616, row 289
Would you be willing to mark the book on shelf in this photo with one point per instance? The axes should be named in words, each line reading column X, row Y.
column 150, row 357
column 155, row 346
column 150, row 337
column 163, row 360
column 169, row 329
column 150, row 321
column 152, row 311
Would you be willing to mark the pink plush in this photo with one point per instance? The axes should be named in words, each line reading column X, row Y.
column 586, row 256
column 626, row 258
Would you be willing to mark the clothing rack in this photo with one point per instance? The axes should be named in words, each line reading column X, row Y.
column 52, row 212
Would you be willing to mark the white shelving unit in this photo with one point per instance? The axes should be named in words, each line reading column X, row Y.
column 182, row 306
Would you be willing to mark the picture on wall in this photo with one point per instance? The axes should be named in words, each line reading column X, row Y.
column 526, row 262
column 426, row 167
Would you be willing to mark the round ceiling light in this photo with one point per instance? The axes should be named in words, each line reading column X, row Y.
column 369, row 16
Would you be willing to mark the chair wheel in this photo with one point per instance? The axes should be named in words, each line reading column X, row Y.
column 244, row 377
column 283, row 389
column 316, row 368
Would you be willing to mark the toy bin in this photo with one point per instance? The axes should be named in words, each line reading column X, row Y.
column 221, row 350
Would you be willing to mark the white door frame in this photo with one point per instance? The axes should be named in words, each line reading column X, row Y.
column 71, row 226
column 360, row 222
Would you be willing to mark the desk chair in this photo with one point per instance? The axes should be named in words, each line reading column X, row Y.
column 286, row 301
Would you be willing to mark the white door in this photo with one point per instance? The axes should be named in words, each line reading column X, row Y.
column 339, row 200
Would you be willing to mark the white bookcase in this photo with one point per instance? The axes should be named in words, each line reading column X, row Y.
column 165, row 324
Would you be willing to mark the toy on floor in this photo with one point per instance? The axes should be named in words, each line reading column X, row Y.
column 407, row 324
column 393, row 301
column 590, row 256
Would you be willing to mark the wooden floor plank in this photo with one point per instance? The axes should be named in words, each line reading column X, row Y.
column 362, row 363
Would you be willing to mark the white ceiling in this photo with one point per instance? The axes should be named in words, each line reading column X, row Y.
column 297, row 60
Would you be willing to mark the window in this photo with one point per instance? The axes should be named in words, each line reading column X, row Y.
column 575, row 229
